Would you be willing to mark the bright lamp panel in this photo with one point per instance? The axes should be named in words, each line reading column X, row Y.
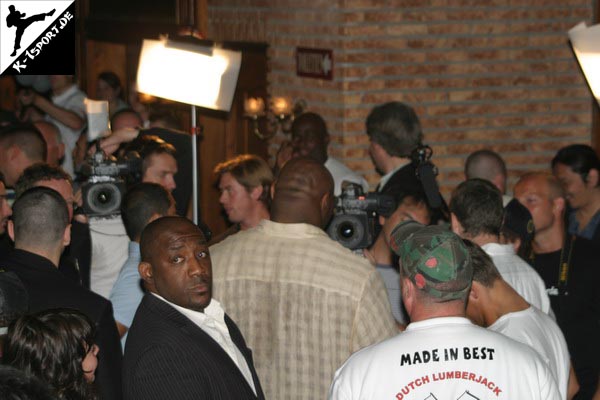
column 189, row 77
column 586, row 45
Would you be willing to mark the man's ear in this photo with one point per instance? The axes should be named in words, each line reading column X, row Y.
column 327, row 204
column 145, row 271
column 592, row 179
column 10, row 226
column 256, row 192
column 67, row 236
column 273, row 190
column 474, row 293
column 455, row 225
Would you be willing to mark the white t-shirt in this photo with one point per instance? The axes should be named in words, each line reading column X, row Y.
column 520, row 275
column 342, row 173
column 445, row 359
column 110, row 249
column 538, row 330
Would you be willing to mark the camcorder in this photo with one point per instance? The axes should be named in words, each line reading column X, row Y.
column 355, row 216
column 106, row 183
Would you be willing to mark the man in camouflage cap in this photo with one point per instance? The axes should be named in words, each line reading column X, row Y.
column 441, row 355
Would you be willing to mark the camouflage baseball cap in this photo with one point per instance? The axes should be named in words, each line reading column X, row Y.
column 432, row 257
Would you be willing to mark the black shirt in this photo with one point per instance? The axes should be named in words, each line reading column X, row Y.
column 48, row 288
column 577, row 306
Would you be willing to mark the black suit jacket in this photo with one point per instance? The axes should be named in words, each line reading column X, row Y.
column 167, row 356
column 48, row 288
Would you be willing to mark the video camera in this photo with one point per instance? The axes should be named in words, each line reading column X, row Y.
column 106, row 182
column 353, row 223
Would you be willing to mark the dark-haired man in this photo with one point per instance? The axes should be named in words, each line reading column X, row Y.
column 577, row 168
column 495, row 305
column 141, row 205
column 441, row 354
column 310, row 138
column 75, row 260
column 395, row 132
column 476, row 213
column 20, row 147
column 181, row 344
column 40, row 229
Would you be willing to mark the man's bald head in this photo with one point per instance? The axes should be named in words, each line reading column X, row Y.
column 549, row 182
column 159, row 228
column 310, row 137
column 487, row 164
column 303, row 192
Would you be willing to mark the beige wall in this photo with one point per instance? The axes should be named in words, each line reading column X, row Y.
column 488, row 73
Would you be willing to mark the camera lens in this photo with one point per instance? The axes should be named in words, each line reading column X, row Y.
column 346, row 230
column 103, row 197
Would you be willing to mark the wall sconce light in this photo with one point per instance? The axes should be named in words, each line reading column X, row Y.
column 280, row 115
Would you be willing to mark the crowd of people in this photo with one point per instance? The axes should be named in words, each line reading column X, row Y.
column 490, row 295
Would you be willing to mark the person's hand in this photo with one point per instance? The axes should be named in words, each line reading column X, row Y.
column 111, row 143
column 284, row 154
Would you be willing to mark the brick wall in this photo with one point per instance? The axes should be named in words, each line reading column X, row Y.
column 480, row 73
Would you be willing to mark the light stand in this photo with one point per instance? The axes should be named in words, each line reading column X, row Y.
column 191, row 73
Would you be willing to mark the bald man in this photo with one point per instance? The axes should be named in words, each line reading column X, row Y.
column 488, row 165
column 569, row 267
column 303, row 301
column 310, row 138
column 181, row 343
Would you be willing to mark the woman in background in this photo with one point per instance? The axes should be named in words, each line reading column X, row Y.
column 56, row 346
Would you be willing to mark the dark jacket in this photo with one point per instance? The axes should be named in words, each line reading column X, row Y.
column 167, row 356
column 48, row 288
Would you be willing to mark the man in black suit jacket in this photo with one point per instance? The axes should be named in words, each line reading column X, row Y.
column 40, row 229
column 181, row 345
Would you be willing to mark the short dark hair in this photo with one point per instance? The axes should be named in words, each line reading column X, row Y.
column 484, row 270
column 140, row 203
column 123, row 112
column 111, row 80
column 395, row 126
column 250, row 171
column 17, row 385
column 477, row 204
column 51, row 345
column 149, row 145
column 581, row 158
column 484, row 164
column 27, row 138
column 39, row 172
column 40, row 216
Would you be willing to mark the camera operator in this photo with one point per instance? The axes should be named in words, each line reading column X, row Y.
column 397, row 151
column 109, row 238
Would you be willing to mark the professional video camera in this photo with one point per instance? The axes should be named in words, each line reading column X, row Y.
column 353, row 223
column 106, row 182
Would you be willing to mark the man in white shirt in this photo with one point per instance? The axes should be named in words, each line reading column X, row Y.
column 181, row 344
column 476, row 214
column 495, row 305
column 441, row 354
column 66, row 111
column 310, row 138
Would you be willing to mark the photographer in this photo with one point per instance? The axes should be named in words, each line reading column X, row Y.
column 396, row 149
